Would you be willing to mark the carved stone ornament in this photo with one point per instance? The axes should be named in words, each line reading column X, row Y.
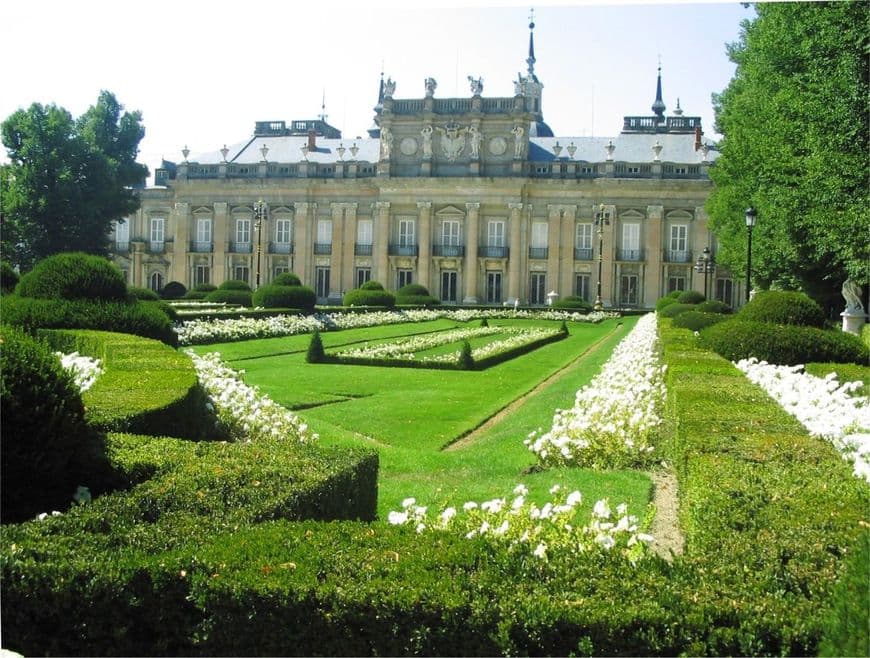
column 498, row 145
column 408, row 146
column 430, row 85
column 476, row 85
column 452, row 140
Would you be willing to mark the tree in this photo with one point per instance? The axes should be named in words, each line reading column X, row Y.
column 794, row 121
column 67, row 180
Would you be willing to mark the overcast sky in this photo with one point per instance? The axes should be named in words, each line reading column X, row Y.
column 203, row 72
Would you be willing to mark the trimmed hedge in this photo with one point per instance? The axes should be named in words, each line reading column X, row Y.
column 665, row 301
column 418, row 300
column 142, row 294
column 737, row 339
column 146, row 319
column 277, row 296
column 362, row 297
column 371, row 285
column 287, row 279
column 573, row 303
column 847, row 632
column 74, row 276
column 783, row 307
column 691, row 297
column 715, row 306
column 231, row 296
column 673, row 310
column 146, row 388
column 697, row 320
column 173, row 290
column 235, row 284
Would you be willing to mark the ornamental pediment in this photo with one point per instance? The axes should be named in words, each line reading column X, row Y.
column 679, row 216
column 449, row 210
column 200, row 210
column 282, row 210
column 632, row 215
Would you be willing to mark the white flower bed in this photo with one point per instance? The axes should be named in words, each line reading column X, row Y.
column 539, row 531
column 520, row 337
column 615, row 416
column 823, row 405
column 84, row 369
column 406, row 348
column 244, row 412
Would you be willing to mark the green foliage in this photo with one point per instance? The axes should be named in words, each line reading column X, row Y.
column 737, row 339
column 697, row 320
column 315, row 352
column 230, row 296
column 691, row 297
column 573, row 303
column 484, row 322
column 74, row 276
column 371, row 285
column 234, row 284
column 142, row 294
column 369, row 297
column 205, row 287
column 278, row 296
column 412, row 289
column 847, row 632
column 715, row 306
column 287, row 279
column 673, row 310
column 195, row 295
column 8, row 277
column 67, row 179
column 146, row 319
column 795, row 124
column 667, row 300
column 48, row 447
column 173, row 290
column 417, row 300
column 782, row 307
column 466, row 360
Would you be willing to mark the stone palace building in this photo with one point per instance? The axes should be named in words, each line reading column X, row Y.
column 474, row 197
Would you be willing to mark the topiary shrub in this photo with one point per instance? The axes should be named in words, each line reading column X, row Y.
column 673, row 294
column 715, row 306
column 8, row 277
column 783, row 307
column 235, row 284
column 48, row 447
column 173, row 290
column 287, row 279
column 665, row 301
column 371, row 297
column 74, row 276
column 673, row 310
column 417, row 300
column 846, row 632
column 230, row 296
column 697, row 320
column 371, row 285
column 412, row 289
column 272, row 296
column 204, row 287
column 143, row 294
column 573, row 303
column 690, row 297
column 466, row 360
column 315, row 353
column 737, row 339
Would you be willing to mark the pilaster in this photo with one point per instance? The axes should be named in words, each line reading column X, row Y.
column 303, row 247
column 517, row 253
column 566, row 247
column 424, row 258
column 382, row 242
column 219, row 235
column 554, row 230
column 652, row 282
column 180, row 221
column 348, row 246
column 471, row 241
column 336, row 258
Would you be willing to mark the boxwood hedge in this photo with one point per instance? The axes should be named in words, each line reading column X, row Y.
column 74, row 275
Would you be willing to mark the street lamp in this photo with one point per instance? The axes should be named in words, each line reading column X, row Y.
column 705, row 264
column 751, row 217
column 602, row 218
column 259, row 216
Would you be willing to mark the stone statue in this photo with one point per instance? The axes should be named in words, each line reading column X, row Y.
column 852, row 293
column 475, row 138
column 430, row 86
column 427, row 141
column 389, row 88
column 518, row 133
column 476, row 85
column 386, row 143
column 519, row 85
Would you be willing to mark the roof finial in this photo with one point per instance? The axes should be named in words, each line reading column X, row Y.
column 381, row 87
column 323, row 113
column 531, row 60
column 658, row 106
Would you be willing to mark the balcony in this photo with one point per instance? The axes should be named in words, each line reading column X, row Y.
column 582, row 253
column 156, row 247
column 240, row 247
column 322, row 248
column 629, row 254
column 280, row 247
column 360, row 249
column 539, row 252
column 492, row 252
column 200, row 247
column 678, row 256
column 403, row 250
column 122, row 246
column 448, row 250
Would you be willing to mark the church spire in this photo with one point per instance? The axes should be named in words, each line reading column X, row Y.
column 658, row 107
column 531, row 60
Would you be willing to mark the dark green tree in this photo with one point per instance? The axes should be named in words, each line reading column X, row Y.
column 67, row 180
column 315, row 353
column 794, row 121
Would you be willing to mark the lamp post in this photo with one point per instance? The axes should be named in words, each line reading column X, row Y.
column 259, row 216
column 602, row 218
column 751, row 217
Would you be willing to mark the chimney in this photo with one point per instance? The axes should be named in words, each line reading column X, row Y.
column 312, row 146
column 698, row 134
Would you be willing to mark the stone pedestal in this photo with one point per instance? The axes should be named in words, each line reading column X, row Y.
column 853, row 321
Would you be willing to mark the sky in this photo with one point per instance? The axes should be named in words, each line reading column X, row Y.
column 203, row 72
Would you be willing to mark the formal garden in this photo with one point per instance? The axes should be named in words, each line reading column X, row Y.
column 197, row 478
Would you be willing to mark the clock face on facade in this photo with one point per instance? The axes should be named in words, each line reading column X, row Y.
column 408, row 146
column 497, row 145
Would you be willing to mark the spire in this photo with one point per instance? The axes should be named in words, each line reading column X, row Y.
column 381, row 89
column 658, row 107
column 323, row 113
column 531, row 60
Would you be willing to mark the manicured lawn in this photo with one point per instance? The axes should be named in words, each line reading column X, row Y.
column 411, row 415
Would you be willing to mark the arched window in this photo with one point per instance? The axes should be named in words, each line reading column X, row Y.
column 156, row 281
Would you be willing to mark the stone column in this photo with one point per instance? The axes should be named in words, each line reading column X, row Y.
column 179, row 218
column 471, row 240
column 554, row 247
column 566, row 257
column 382, row 243
column 219, row 235
column 424, row 257
column 517, row 252
column 302, row 242
column 654, row 270
column 336, row 258
column 347, row 281
column 138, row 273
column 607, row 283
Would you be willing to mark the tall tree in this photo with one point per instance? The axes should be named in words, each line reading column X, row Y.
column 67, row 180
column 794, row 121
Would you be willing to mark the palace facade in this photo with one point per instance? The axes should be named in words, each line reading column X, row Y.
column 473, row 197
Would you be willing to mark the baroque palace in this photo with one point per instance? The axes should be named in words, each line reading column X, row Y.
column 474, row 198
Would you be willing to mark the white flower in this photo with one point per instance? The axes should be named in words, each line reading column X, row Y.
column 408, row 502
column 605, row 541
column 397, row 518
column 470, row 505
column 601, row 509
column 447, row 515
column 574, row 498
column 521, row 490
column 540, row 551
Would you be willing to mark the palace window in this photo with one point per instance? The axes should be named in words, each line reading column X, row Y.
column 404, row 278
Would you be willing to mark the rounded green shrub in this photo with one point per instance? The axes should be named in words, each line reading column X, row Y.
column 674, row 294
column 715, row 306
column 371, row 285
column 8, row 277
column 412, row 289
column 417, row 300
column 361, row 297
column 195, row 295
column 272, row 296
column 74, row 276
column 697, row 320
column 661, row 302
column 204, row 287
column 230, row 296
column 143, row 294
column 173, row 290
column 572, row 303
column 783, row 307
column 234, row 284
column 673, row 310
column 690, row 297
column 48, row 448
column 287, row 279
column 846, row 632
column 790, row 345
